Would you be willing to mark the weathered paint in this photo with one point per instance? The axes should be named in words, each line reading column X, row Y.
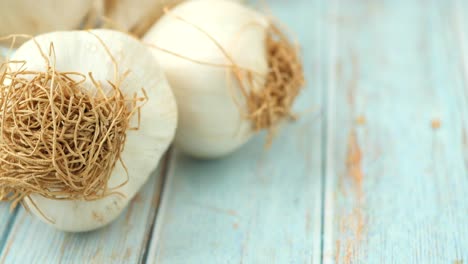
column 396, row 183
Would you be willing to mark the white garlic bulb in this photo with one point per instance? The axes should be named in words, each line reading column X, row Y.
column 211, row 123
column 80, row 51
column 36, row 17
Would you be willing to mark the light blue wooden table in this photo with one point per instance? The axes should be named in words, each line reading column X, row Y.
column 378, row 173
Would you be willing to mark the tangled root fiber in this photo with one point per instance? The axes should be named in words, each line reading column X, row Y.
column 59, row 139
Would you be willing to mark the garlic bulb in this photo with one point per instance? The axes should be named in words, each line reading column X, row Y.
column 35, row 17
column 83, row 52
column 136, row 16
column 216, row 55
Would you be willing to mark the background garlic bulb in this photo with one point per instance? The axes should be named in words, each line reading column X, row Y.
column 35, row 17
column 136, row 16
column 80, row 51
column 211, row 120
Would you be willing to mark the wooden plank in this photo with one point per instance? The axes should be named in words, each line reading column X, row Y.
column 396, row 173
column 7, row 219
column 257, row 205
column 123, row 241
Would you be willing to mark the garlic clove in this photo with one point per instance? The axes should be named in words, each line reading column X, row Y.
column 80, row 51
column 212, row 122
column 36, row 17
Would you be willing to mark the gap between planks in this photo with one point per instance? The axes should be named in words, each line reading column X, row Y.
column 157, row 201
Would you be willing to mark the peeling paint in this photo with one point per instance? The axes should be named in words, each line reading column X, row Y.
column 352, row 224
column 436, row 124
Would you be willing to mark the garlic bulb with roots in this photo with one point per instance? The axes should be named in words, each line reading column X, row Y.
column 91, row 113
column 231, row 69
column 34, row 17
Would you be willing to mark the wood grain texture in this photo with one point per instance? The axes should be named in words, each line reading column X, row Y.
column 396, row 174
column 257, row 205
column 123, row 241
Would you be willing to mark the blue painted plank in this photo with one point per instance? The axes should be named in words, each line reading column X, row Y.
column 396, row 174
column 257, row 205
column 7, row 218
column 123, row 241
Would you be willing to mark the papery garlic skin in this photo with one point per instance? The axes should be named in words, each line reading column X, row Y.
column 211, row 124
column 34, row 17
column 80, row 51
